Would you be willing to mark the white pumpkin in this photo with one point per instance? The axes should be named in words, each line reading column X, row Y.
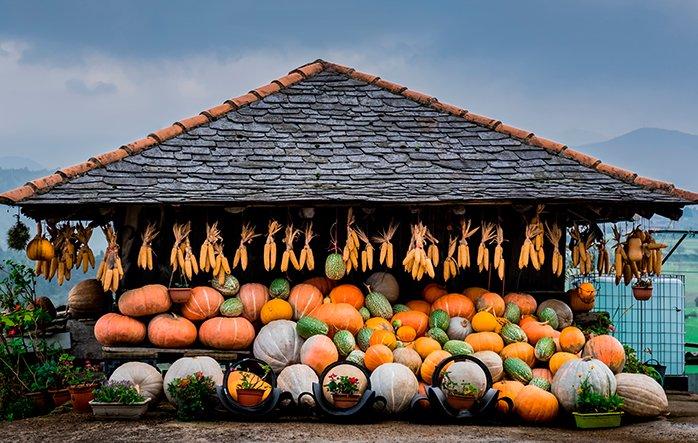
column 397, row 384
column 642, row 395
column 278, row 344
column 146, row 378
column 459, row 328
column 468, row 372
column 190, row 365
column 570, row 376
column 493, row 362
column 408, row 357
column 384, row 283
column 563, row 311
column 297, row 379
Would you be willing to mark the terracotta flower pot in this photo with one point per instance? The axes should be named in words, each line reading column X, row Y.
column 345, row 401
column 250, row 397
column 81, row 397
column 642, row 293
column 59, row 396
column 460, row 402
column 179, row 295
column 40, row 401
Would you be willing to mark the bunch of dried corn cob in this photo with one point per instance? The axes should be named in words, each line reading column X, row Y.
column 350, row 253
column 288, row 255
column 85, row 256
column 270, row 245
column 110, row 270
column 182, row 255
column 538, row 240
column 416, row 262
column 554, row 234
column 367, row 253
column 433, row 248
column 499, row 264
column 638, row 256
column 246, row 236
column 528, row 252
column 463, row 246
column 603, row 260
column 307, row 258
column 483, row 252
column 580, row 243
column 450, row 264
column 221, row 266
column 145, row 253
column 207, row 253
column 386, row 245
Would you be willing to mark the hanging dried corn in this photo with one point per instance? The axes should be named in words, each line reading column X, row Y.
column 450, row 264
column 528, row 252
column 207, row 252
column 350, row 253
column 247, row 234
column 416, row 262
column 386, row 245
column 145, row 253
column 652, row 255
column 483, row 252
column 110, row 271
column 85, row 256
column 288, row 255
column 603, row 260
column 221, row 265
column 182, row 256
column 620, row 257
column 65, row 255
column 498, row 262
column 433, row 249
column 367, row 253
column 580, row 243
column 538, row 240
column 270, row 245
column 554, row 235
column 307, row 259
column 463, row 246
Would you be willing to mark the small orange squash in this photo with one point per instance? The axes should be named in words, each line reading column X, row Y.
column 420, row 306
column 484, row 321
column 455, row 305
column 276, row 309
column 509, row 389
column 492, row 302
column 485, row 341
column 433, row 291
column 319, row 352
column 376, row 355
column 586, row 292
column 383, row 338
column 535, row 405
column 521, row 350
column 418, row 320
column 577, row 304
column 558, row 359
column 377, row 323
column 607, row 349
column 339, row 316
column 347, row 294
column 571, row 339
column 425, row 346
column 171, row 331
column 406, row 334
column 429, row 364
column 536, row 330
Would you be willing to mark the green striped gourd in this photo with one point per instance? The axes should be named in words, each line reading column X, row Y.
column 308, row 326
column 550, row 316
column 517, row 369
column 541, row 383
column 512, row 333
column 335, row 267
column 438, row 335
column 439, row 319
column 400, row 308
column 378, row 305
column 363, row 338
column 232, row 307
column 545, row 348
column 279, row 288
column 512, row 312
column 357, row 357
column 365, row 313
column 344, row 341
column 458, row 347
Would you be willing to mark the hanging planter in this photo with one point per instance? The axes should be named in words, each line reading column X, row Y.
column 642, row 290
column 179, row 295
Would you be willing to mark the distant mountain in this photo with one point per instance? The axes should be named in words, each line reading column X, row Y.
column 17, row 162
column 653, row 152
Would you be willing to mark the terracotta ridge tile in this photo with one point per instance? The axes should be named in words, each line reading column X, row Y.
column 75, row 170
column 521, row 134
column 418, row 97
column 686, row 195
column 580, row 157
column 18, row 194
column 109, row 157
column 653, row 184
column 192, row 122
column 340, row 68
column 615, row 171
column 45, row 182
column 364, row 77
column 166, row 133
column 547, row 144
column 451, row 109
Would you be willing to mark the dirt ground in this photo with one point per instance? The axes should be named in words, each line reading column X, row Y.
column 160, row 426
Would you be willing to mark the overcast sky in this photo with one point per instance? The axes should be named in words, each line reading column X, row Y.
column 80, row 78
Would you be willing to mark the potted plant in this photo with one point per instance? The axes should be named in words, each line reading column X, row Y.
column 596, row 410
column 250, row 389
column 41, row 376
column 118, row 399
column 642, row 289
column 459, row 395
column 344, row 390
column 81, row 380
column 193, row 395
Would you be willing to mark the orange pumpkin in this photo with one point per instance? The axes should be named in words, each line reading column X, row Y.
column 484, row 321
column 521, row 350
column 455, row 305
column 347, row 294
column 433, row 291
column 429, row 364
column 304, row 298
column 425, row 346
column 577, row 304
column 118, row 330
column 607, row 349
column 144, row 301
column 543, row 373
column 420, row 306
column 418, row 320
column 319, row 352
column 509, row 389
column 276, row 309
column 323, row 284
column 376, row 355
column 202, row 304
column 253, row 296
column 485, row 341
column 383, row 338
column 492, row 302
column 171, row 331
column 339, row 316
column 406, row 334
column 378, row 323
column 526, row 303
column 227, row 333
column 536, row 330
column 474, row 293
column 571, row 339
column 558, row 359
column 586, row 292
column 535, row 405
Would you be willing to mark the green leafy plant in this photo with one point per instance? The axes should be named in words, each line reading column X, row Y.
column 602, row 324
column 634, row 366
column 342, row 384
column 589, row 401
column 18, row 408
column 193, row 395
column 78, row 376
column 18, row 235
column 122, row 392
column 462, row 388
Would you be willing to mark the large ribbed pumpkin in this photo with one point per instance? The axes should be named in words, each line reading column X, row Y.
column 323, row 284
column 485, row 341
column 432, row 292
column 87, row 299
column 278, row 344
column 526, row 303
column 227, row 333
column 186, row 366
column 455, row 305
column 473, row 293
column 377, row 355
column 146, row 378
column 297, row 379
column 171, row 331
column 418, row 320
column 397, row 384
column 347, row 294
column 429, row 364
column 492, row 302
column 607, row 349
column 535, row 405
column 509, row 389
column 203, row 303
column 304, row 298
column 119, row 330
column 339, row 316
column 319, row 352
column 145, row 301
column 493, row 362
column 568, row 379
column 642, row 395
column 520, row 350
column 253, row 296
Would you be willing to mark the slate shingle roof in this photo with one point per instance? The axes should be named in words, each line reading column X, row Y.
column 328, row 133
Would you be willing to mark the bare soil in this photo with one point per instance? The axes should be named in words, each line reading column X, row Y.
column 160, row 426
